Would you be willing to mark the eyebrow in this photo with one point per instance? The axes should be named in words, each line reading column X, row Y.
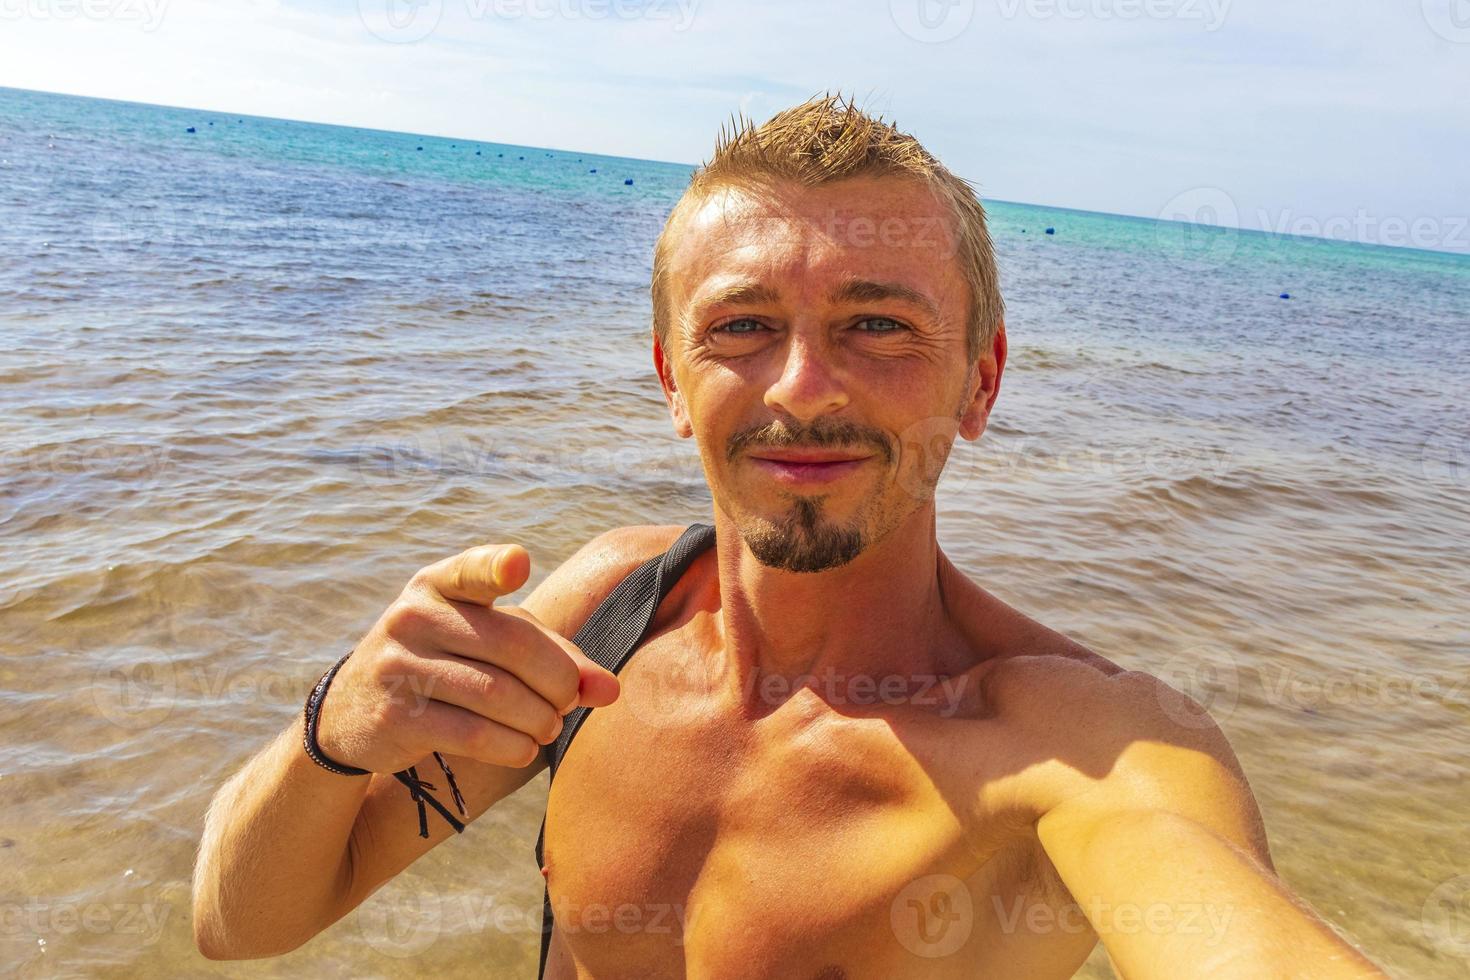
column 751, row 293
column 747, row 293
column 867, row 291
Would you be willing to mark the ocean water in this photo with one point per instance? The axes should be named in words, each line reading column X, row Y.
column 253, row 376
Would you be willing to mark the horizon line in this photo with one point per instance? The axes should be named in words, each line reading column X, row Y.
column 674, row 163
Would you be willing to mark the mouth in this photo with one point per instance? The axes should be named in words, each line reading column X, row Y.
column 807, row 466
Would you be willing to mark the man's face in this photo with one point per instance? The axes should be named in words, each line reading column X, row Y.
column 817, row 355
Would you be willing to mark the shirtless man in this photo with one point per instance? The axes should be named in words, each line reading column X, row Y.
column 834, row 756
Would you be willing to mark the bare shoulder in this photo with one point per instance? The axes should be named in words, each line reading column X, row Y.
column 1036, row 675
column 1113, row 738
column 567, row 596
column 1068, row 684
column 1130, row 743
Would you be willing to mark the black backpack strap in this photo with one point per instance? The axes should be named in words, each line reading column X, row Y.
column 608, row 638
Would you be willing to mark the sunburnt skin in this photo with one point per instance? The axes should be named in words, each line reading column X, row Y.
column 788, row 844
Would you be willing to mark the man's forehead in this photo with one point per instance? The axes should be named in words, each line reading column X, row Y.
column 882, row 226
column 847, row 212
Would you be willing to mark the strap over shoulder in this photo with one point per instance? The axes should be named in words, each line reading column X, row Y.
column 608, row 638
column 616, row 626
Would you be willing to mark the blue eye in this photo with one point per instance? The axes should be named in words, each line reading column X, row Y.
column 730, row 327
column 893, row 325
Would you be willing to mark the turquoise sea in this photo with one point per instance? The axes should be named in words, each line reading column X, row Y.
column 254, row 375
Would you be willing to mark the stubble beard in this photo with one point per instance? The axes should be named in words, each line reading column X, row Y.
column 803, row 540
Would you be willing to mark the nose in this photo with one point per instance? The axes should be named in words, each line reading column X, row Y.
column 808, row 385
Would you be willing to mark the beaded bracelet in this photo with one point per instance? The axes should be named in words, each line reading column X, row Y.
column 417, row 788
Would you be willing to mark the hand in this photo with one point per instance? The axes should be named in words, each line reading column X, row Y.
column 443, row 670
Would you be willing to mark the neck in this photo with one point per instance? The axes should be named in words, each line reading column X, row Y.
column 880, row 616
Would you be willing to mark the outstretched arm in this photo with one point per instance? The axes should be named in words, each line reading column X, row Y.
column 1166, row 856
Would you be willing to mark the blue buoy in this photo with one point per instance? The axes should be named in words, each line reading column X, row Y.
column 500, row 154
column 1051, row 231
column 189, row 130
column 477, row 153
column 1286, row 295
column 628, row 182
column 520, row 158
column 211, row 123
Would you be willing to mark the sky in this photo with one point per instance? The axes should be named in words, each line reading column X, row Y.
column 1344, row 118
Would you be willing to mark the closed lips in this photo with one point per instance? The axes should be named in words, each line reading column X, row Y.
column 807, row 457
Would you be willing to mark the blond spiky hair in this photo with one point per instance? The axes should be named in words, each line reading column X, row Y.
column 825, row 139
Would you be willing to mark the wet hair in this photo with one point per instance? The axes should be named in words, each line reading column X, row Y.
column 827, row 139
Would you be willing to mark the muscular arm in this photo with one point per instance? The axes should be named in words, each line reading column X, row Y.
column 1165, row 852
column 288, row 848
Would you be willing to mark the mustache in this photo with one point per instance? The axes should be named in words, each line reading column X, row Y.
column 842, row 435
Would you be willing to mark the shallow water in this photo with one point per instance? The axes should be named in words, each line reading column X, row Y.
column 253, row 377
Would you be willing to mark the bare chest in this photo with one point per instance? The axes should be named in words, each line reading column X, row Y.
column 814, row 844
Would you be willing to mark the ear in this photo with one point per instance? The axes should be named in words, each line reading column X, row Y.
column 677, row 408
column 984, row 386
